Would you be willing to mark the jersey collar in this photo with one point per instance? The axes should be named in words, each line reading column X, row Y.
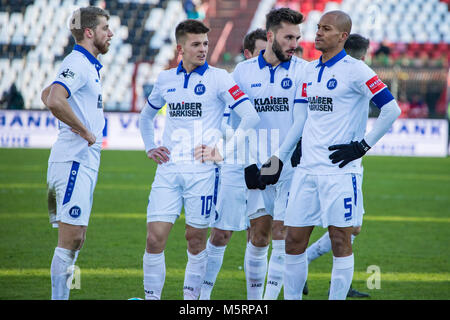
column 89, row 56
column 262, row 62
column 333, row 60
column 200, row 69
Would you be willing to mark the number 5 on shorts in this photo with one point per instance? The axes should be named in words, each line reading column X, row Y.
column 348, row 206
column 206, row 206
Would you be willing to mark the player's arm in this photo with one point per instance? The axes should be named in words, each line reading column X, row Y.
column 158, row 154
column 44, row 95
column 389, row 112
column 57, row 103
column 249, row 119
column 271, row 170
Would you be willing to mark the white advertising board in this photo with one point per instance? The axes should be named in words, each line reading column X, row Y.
column 39, row 129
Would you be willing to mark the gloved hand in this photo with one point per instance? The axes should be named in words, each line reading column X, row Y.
column 252, row 178
column 297, row 154
column 348, row 152
column 271, row 170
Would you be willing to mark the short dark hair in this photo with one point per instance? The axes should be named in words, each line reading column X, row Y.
column 276, row 16
column 189, row 26
column 251, row 37
column 85, row 18
column 356, row 45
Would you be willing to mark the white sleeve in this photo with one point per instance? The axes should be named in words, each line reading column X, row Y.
column 295, row 132
column 146, row 126
column 249, row 119
column 389, row 112
column 71, row 75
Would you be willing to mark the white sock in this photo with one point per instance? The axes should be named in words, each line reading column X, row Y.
column 341, row 277
column 213, row 265
column 255, row 270
column 154, row 265
column 295, row 275
column 61, row 271
column 275, row 270
column 319, row 248
column 194, row 274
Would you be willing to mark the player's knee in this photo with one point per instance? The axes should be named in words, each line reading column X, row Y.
column 77, row 242
column 196, row 243
column 260, row 239
column 295, row 245
column 155, row 243
column 340, row 242
column 356, row 231
column 220, row 238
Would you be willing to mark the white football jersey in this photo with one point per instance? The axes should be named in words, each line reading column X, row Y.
column 272, row 91
column 79, row 75
column 195, row 107
column 337, row 94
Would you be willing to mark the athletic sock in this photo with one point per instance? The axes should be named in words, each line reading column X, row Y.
column 341, row 277
column 194, row 274
column 213, row 265
column 275, row 270
column 295, row 275
column 154, row 275
column 61, row 270
column 319, row 248
column 255, row 271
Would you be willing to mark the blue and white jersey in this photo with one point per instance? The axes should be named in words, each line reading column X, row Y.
column 272, row 91
column 79, row 75
column 337, row 94
column 196, row 102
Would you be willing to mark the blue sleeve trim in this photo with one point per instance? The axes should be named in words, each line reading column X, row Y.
column 65, row 87
column 382, row 97
column 156, row 108
column 226, row 114
column 300, row 101
column 238, row 103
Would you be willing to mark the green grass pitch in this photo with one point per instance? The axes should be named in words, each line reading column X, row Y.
column 405, row 232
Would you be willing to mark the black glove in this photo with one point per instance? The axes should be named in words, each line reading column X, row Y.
column 295, row 158
column 348, row 152
column 271, row 170
column 252, row 178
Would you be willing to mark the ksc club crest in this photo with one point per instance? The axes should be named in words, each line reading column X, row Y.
column 199, row 89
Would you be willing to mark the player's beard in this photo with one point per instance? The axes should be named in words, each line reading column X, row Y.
column 276, row 48
column 101, row 47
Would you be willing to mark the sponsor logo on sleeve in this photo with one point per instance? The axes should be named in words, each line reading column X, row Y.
column 375, row 84
column 236, row 92
column 304, row 90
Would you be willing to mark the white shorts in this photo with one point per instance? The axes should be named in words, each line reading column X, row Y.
column 324, row 200
column 270, row 201
column 196, row 191
column 72, row 185
column 231, row 207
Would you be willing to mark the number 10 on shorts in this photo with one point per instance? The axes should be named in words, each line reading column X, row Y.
column 206, row 205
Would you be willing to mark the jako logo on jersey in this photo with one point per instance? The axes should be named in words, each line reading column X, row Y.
column 375, row 84
column 185, row 109
column 75, row 212
column 171, row 90
column 236, row 92
column 332, row 83
column 255, row 85
column 277, row 104
column 320, row 104
column 200, row 89
column 286, row 83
